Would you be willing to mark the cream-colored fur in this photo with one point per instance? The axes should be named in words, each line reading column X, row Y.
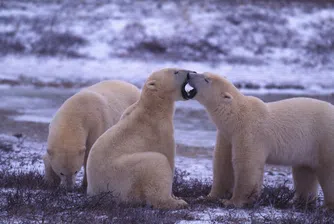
column 297, row 132
column 135, row 158
column 79, row 122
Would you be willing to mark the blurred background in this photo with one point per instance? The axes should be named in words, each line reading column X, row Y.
column 268, row 46
column 49, row 49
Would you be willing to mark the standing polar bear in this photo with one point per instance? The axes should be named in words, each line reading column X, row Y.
column 297, row 132
column 134, row 159
column 78, row 123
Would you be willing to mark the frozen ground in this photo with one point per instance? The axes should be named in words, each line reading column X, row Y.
column 24, row 194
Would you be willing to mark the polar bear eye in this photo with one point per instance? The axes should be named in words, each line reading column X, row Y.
column 62, row 174
column 75, row 172
column 206, row 80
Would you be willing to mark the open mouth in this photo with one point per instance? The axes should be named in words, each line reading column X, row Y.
column 188, row 92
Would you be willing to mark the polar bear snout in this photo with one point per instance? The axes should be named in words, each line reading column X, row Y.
column 68, row 181
column 198, row 82
column 191, row 73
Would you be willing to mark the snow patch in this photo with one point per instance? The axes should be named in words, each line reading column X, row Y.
column 32, row 118
column 136, row 71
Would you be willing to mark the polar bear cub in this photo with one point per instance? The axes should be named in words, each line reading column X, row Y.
column 134, row 159
column 78, row 123
column 297, row 132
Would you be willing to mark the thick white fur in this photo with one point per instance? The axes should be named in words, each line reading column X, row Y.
column 79, row 122
column 297, row 132
column 135, row 158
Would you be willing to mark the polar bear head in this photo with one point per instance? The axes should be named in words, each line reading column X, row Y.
column 170, row 84
column 212, row 90
column 66, row 163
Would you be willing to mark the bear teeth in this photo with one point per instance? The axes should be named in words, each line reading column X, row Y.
column 188, row 88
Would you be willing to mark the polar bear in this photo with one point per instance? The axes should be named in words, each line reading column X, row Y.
column 78, row 123
column 297, row 132
column 134, row 159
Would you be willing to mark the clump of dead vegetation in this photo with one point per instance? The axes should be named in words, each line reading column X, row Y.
column 26, row 198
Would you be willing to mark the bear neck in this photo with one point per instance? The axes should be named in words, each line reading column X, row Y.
column 68, row 134
column 228, row 118
column 156, row 106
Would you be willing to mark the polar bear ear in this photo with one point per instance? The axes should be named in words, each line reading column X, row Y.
column 151, row 85
column 227, row 96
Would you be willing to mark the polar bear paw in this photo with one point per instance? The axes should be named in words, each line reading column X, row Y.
column 234, row 203
column 180, row 204
column 207, row 198
column 172, row 204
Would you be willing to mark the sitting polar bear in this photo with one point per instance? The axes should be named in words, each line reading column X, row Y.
column 297, row 132
column 79, row 122
column 134, row 159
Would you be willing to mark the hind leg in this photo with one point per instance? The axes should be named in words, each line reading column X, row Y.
column 305, row 183
column 326, row 180
column 157, row 192
column 153, row 177
column 50, row 176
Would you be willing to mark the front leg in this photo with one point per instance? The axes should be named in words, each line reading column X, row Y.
column 50, row 176
column 248, row 165
column 223, row 178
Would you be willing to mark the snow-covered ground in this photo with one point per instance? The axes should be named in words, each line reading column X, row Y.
column 23, row 156
column 262, row 48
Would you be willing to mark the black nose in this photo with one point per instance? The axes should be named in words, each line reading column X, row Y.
column 190, row 73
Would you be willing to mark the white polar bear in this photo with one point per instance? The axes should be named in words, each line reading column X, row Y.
column 297, row 132
column 135, row 158
column 78, row 123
